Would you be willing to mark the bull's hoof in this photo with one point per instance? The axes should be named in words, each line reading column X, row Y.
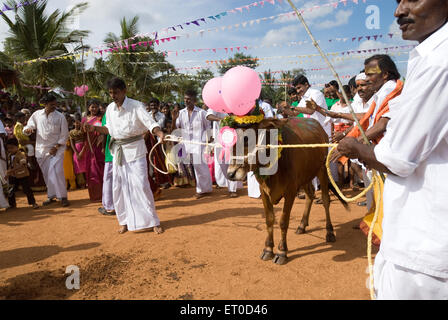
column 300, row 230
column 267, row 255
column 331, row 237
column 280, row 259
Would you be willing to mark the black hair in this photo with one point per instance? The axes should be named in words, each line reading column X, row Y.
column 19, row 115
column 386, row 64
column 93, row 101
column 12, row 142
column 47, row 98
column 334, row 83
column 191, row 93
column 78, row 117
column 116, row 83
column 352, row 82
column 154, row 100
column 346, row 89
column 300, row 79
column 292, row 91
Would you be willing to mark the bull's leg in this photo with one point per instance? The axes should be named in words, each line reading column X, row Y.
column 309, row 193
column 268, row 251
column 281, row 256
column 323, row 177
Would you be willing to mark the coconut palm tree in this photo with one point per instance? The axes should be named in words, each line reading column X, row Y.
column 146, row 74
column 35, row 34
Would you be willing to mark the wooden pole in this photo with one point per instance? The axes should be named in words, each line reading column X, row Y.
column 299, row 15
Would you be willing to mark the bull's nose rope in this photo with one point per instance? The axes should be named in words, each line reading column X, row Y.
column 333, row 146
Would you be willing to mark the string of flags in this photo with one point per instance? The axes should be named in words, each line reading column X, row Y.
column 289, row 44
column 7, row 7
column 124, row 44
column 336, row 56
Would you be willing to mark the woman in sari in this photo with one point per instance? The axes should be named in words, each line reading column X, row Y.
column 94, row 153
column 78, row 144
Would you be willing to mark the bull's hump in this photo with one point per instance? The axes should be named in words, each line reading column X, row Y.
column 309, row 130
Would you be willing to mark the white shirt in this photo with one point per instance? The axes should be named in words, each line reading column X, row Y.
column 160, row 118
column 50, row 131
column 337, row 107
column 415, row 148
column 267, row 109
column 379, row 98
column 2, row 128
column 319, row 98
column 193, row 129
column 215, row 124
column 359, row 106
column 130, row 120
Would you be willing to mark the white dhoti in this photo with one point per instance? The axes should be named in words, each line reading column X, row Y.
column 253, row 188
column 132, row 196
column 204, row 183
column 53, row 171
column 393, row 282
column 220, row 175
column 108, row 199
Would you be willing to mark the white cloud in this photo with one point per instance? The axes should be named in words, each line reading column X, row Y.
column 284, row 34
column 371, row 44
column 341, row 18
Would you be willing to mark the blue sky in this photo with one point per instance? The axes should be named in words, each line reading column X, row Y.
column 271, row 37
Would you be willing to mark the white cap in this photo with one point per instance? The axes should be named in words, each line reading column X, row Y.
column 361, row 76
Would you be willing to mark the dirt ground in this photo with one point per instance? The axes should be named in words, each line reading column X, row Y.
column 210, row 250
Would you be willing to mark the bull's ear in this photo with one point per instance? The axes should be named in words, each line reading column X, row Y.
column 272, row 123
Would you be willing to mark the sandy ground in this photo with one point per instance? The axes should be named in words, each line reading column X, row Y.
column 210, row 250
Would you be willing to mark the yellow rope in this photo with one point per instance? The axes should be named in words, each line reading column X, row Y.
column 375, row 180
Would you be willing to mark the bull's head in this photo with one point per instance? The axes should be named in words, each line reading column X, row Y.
column 250, row 152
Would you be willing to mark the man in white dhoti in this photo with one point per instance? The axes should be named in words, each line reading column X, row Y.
column 194, row 125
column 413, row 259
column 51, row 136
column 127, row 121
column 220, row 165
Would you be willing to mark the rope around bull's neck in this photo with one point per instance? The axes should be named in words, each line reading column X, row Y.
column 375, row 181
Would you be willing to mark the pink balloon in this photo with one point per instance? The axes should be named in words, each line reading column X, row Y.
column 241, row 87
column 211, row 94
column 85, row 88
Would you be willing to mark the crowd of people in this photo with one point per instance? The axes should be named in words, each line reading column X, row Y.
column 85, row 160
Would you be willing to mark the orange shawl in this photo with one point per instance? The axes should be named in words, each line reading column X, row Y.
column 383, row 109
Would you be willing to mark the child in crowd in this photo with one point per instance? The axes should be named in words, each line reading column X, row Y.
column 18, row 174
column 25, row 142
column 79, row 147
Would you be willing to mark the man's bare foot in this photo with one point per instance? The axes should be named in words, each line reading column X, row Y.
column 123, row 229
column 158, row 230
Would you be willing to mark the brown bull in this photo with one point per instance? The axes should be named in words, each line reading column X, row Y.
column 296, row 169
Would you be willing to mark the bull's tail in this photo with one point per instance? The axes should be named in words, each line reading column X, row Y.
column 344, row 203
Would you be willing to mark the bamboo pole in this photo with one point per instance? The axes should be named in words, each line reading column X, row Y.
column 335, row 74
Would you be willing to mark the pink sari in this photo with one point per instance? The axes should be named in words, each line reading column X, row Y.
column 80, row 166
column 95, row 162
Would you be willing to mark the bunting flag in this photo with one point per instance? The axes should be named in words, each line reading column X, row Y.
column 289, row 44
column 18, row 5
column 197, row 22
column 123, row 44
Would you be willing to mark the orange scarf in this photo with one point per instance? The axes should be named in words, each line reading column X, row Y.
column 383, row 109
